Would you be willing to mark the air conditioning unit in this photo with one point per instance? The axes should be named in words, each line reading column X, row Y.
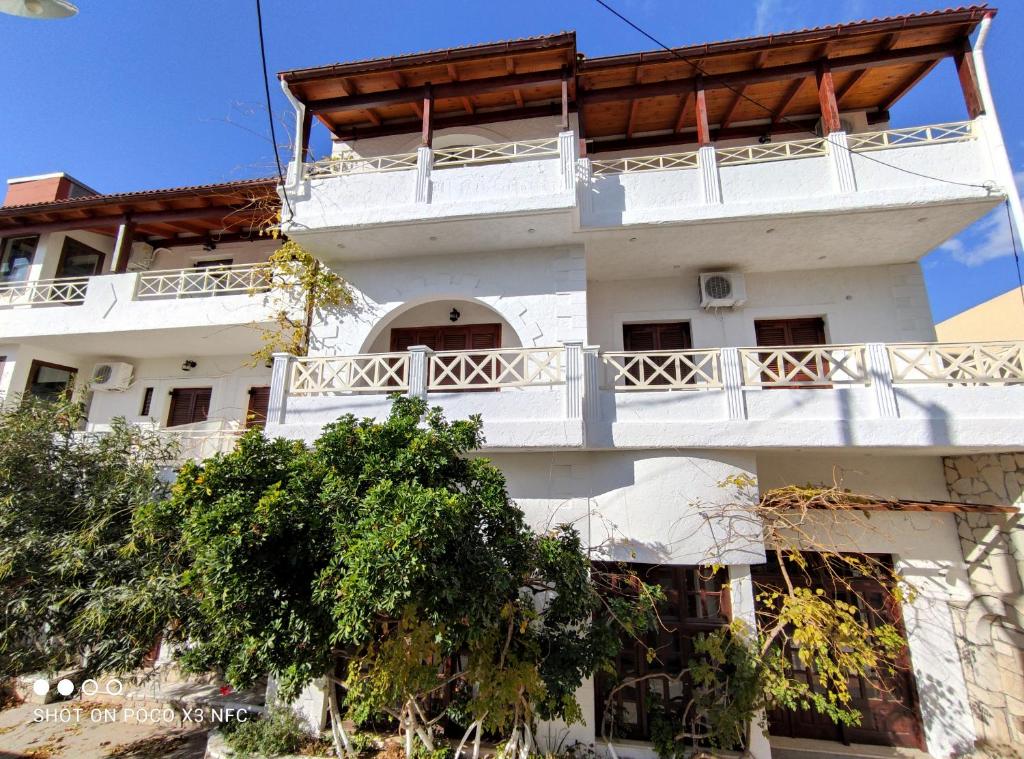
column 115, row 376
column 722, row 289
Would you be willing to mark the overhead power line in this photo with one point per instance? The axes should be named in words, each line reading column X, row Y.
column 270, row 108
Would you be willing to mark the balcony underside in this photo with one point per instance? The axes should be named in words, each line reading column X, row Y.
column 212, row 340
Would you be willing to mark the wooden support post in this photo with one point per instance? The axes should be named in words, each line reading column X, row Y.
column 307, row 124
column 428, row 117
column 123, row 249
column 565, row 98
column 968, row 80
column 582, row 131
column 827, row 99
column 703, row 131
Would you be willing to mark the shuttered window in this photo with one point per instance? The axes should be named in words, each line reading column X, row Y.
column 259, row 402
column 454, row 338
column 189, row 405
column 147, row 402
column 668, row 336
column 790, row 331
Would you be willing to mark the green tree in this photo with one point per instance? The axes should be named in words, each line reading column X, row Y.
column 77, row 585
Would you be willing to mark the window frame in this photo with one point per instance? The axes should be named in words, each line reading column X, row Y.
column 5, row 251
column 33, row 377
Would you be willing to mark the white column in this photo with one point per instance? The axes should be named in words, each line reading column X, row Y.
column 568, row 146
column 732, row 382
column 297, row 165
column 424, row 163
column 280, row 382
column 880, row 371
column 842, row 161
column 419, row 367
column 741, row 590
column 574, row 390
column 591, row 384
column 312, row 704
column 709, row 174
column 584, row 190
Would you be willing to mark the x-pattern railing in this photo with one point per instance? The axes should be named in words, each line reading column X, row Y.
column 630, row 165
column 371, row 373
column 958, row 363
column 501, row 151
column 811, row 365
column 333, row 167
column 508, row 367
column 67, row 291
column 205, row 280
column 895, row 138
column 772, row 151
column 662, row 370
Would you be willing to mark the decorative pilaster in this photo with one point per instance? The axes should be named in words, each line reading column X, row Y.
column 574, row 383
column 567, row 155
column 591, row 383
column 584, row 191
column 419, row 367
column 732, row 382
column 842, row 161
column 280, row 381
column 880, row 371
column 424, row 163
column 709, row 174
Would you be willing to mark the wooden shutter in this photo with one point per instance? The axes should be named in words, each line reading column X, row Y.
column 667, row 336
column 189, row 405
column 453, row 338
column 147, row 402
column 259, row 402
column 790, row 331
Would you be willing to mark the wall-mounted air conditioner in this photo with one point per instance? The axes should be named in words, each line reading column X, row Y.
column 114, row 375
column 722, row 289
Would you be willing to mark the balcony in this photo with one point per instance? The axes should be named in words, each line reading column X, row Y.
column 116, row 314
column 189, row 442
column 945, row 396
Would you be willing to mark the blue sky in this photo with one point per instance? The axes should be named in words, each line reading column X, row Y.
column 157, row 93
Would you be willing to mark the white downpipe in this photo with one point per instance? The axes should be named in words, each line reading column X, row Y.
column 295, row 172
column 993, row 133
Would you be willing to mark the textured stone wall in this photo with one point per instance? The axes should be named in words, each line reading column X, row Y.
column 991, row 626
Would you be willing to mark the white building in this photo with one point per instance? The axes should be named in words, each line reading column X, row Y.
column 611, row 260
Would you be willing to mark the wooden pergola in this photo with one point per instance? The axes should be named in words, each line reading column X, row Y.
column 698, row 94
column 227, row 212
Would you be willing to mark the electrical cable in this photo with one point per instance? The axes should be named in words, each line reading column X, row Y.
column 783, row 119
column 270, row 109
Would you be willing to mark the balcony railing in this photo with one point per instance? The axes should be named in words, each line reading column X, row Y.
column 898, row 138
column 634, row 164
column 204, row 281
column 811, row 366
column 958, row 363
column 772, row 151
column 495, row 153
column 333, row 375
column 336, row 167
column 512, row 367
column 67, row 291
column 662, row 370
column 188, row 442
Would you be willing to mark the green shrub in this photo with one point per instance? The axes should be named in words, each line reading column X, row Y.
column 280, row 731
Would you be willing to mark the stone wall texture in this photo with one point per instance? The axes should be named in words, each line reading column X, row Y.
column 991, row 626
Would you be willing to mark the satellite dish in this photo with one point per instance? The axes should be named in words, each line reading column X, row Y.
column 38, row 8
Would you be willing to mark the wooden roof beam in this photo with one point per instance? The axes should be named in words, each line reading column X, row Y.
column 634, row 105
column 888, row 44
column 908, row 83
column 730, row 112
column 448, row 122
column 684, row 109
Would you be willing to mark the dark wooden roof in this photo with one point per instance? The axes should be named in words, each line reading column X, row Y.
column 238, row 208
column 874, row 64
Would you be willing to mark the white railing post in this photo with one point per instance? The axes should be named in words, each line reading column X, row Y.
column 574, row 387
column 419, row 370
column 732, row 382
column 712, row 183
column 568, row 146
column 280, row 385
column 591, row 383
column 880, row 371
column 424, row 163
column 842, row 161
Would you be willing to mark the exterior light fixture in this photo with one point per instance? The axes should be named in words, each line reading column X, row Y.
column 42, row 9
column 209, row 245
column 764, row 139
column 188, row 365
column 454, row 314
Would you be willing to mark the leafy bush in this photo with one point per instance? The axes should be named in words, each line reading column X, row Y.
column 280, row 731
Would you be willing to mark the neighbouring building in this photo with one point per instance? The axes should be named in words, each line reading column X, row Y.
column 648, row 273
column 999, row 318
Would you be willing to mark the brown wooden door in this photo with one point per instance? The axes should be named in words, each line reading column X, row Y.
column 646, row 338
column 450, row 338
column 786, row 332
column 189, row 405
column 259, row 402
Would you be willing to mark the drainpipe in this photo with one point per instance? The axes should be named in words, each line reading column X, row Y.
column 298, row 159
column 993, row 133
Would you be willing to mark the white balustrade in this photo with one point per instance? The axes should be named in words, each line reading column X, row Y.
column 634, row 164
column 804, row 366
column 923, row 135
column 343, row 165
column 204, row 281
column 503, row 367
column 66, row 291
column 333, row 375
column 998, row 363
column 495, row 153
column 770, row 151
column 662, row 370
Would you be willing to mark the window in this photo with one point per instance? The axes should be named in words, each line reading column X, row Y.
column 79, row 260
column 213, row 279
column 695, row 602
column 50, row 381
column 189, row 405
column 259, row 402
column 654, row 338
column 784, row 332
column 453, row 338
column 147, row 402
column 16, row 255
